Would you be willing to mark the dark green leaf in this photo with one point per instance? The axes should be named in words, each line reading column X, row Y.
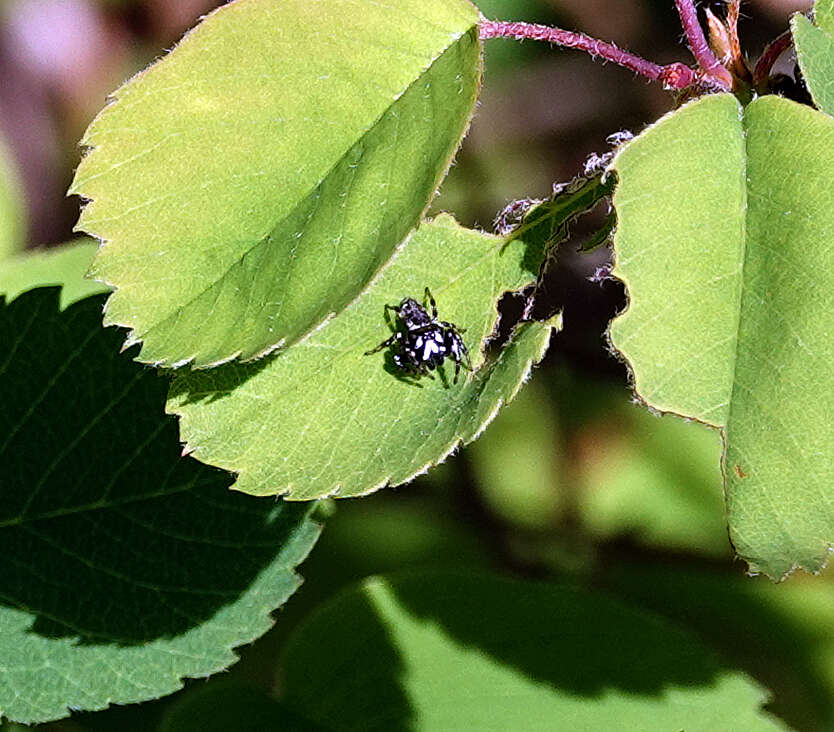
column 233, row 707
column 124, row 567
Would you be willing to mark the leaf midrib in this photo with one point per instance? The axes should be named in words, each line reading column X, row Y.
column 728, row 479
column 261, row 240
column 742, row 290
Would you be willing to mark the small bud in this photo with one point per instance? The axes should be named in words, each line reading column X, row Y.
column 719, row 38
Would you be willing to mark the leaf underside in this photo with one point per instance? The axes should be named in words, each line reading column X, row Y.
column 251, row 183
column 724, row 244
column 323, row 418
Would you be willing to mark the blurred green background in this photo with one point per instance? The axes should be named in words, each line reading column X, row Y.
column 572, row 481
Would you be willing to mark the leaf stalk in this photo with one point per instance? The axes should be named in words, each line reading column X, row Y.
column 673, row 76
column 774, row 50
column 711, row 67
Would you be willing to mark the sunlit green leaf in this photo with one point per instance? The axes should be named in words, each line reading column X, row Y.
column 824, row 15
column 64, row 265
column 323, row 418
column 815, row 53
column 724, row 243
column 447, row 651
column 253, row 182
column 780, row 634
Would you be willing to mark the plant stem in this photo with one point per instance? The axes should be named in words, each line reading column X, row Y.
column 673, row 76
column 697, row 42
column 774, row 50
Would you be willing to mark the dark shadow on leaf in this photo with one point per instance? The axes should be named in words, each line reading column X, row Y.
column 536, row 239
column 390, row 367
column 547, row 224
column 108, row 534
column 232, row 705
column 343, row 670
column 578, row 642
column 204, row 386
column 738, row 615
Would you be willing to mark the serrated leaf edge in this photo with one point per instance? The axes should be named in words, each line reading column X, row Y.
column 132, row 337
column 447, row 450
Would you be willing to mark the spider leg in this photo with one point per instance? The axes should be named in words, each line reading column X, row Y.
column 382, row 345
column 388, row 308
column 395, row 337
column 452, row 327
column 457, row 348
column 419, row 369
column 428, row 296
column 465, row 354
column 463, row 360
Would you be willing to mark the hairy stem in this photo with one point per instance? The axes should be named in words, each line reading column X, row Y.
column 697, row 42
column 673, row 76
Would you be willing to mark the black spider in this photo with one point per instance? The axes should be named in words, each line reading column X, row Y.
column 422, row 342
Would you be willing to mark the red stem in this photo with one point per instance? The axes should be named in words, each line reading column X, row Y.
column 774, row 50
column 697, row 42
column 673, row 76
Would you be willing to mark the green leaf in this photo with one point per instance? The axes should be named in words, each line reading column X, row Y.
column 323, row 418
column 549, row 221
column 779, row 634
column 443, row 651
column 124, row 567
column 824, row 15
column 724, row 244
column 232, row 706
column 517, row 465
column 65, row 265
column 815, row 53
column 251, row 184
column 12, row 213
column 657, row 479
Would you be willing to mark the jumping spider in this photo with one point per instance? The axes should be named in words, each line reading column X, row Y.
column 422, row 342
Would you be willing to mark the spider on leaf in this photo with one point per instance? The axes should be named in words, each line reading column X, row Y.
column 421, row 342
